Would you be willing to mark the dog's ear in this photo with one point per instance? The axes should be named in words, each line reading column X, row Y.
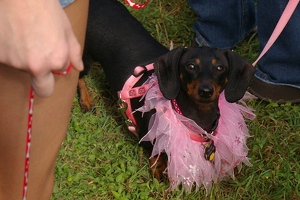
column 240, row 74
column 166, row 69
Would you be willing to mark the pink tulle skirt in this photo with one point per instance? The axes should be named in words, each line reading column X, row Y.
column 187, row 165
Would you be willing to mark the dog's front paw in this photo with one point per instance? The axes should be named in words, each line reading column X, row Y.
column 157, row 167
column 85, row 100
column 86, row 106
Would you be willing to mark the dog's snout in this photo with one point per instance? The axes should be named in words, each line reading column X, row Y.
column 206, row 91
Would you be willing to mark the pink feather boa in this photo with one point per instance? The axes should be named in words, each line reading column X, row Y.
column 186, row 163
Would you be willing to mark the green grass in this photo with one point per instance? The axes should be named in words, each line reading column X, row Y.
column 100, row 159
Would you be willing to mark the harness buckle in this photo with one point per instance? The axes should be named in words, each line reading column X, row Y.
column 129, row 123
column 122, row 107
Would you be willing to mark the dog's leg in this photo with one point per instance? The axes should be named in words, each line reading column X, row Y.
column 85, row 100
column 158, row 165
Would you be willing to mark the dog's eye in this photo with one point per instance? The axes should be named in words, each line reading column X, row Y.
column 220, row 68
column 190, row 67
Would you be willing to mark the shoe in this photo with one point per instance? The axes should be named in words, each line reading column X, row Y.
column 276, row 93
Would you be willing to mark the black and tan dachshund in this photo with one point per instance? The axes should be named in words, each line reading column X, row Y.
column 193, row 76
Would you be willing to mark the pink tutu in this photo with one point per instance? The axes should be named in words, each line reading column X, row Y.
column 186, row 163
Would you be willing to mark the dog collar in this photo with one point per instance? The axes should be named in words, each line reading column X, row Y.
column 200, row 135
column 195, row 134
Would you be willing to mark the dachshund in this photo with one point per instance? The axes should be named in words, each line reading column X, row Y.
column 193, row 76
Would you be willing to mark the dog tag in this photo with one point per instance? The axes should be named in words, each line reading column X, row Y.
column 209, row 151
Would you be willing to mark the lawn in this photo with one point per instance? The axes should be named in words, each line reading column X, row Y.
column 101, row 159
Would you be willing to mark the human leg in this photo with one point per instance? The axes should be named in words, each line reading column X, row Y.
column 50, row 121
column 223, row 24
column 277, row 76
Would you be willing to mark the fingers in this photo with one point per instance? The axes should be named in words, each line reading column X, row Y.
column 43, row 82
column 74, row 56
column 42, row 71
column 75, row 52
column 65, row 71
column 43, row 85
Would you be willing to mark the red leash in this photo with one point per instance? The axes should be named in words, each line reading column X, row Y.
column 29, row 134
column 137, row 5
column 28, row 143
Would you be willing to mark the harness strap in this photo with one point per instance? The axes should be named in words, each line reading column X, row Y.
column 285, row 17
column 130, row 92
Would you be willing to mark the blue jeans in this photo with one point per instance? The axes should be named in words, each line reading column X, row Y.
column 64, row 3
column 224, row 23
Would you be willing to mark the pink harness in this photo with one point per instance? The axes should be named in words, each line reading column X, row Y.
column 130, row 92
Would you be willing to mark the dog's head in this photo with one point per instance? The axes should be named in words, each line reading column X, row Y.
column 203, row 73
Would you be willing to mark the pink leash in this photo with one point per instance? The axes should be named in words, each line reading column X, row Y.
column 285, row 17
column 29, row 134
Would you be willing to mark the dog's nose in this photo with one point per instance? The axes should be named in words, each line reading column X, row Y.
column 206, row 91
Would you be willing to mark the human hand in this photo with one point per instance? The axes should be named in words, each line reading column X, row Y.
column 36, row 36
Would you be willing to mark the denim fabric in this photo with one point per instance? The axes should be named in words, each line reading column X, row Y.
column 223, row 23
column 64, row 3
column 281, row 64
